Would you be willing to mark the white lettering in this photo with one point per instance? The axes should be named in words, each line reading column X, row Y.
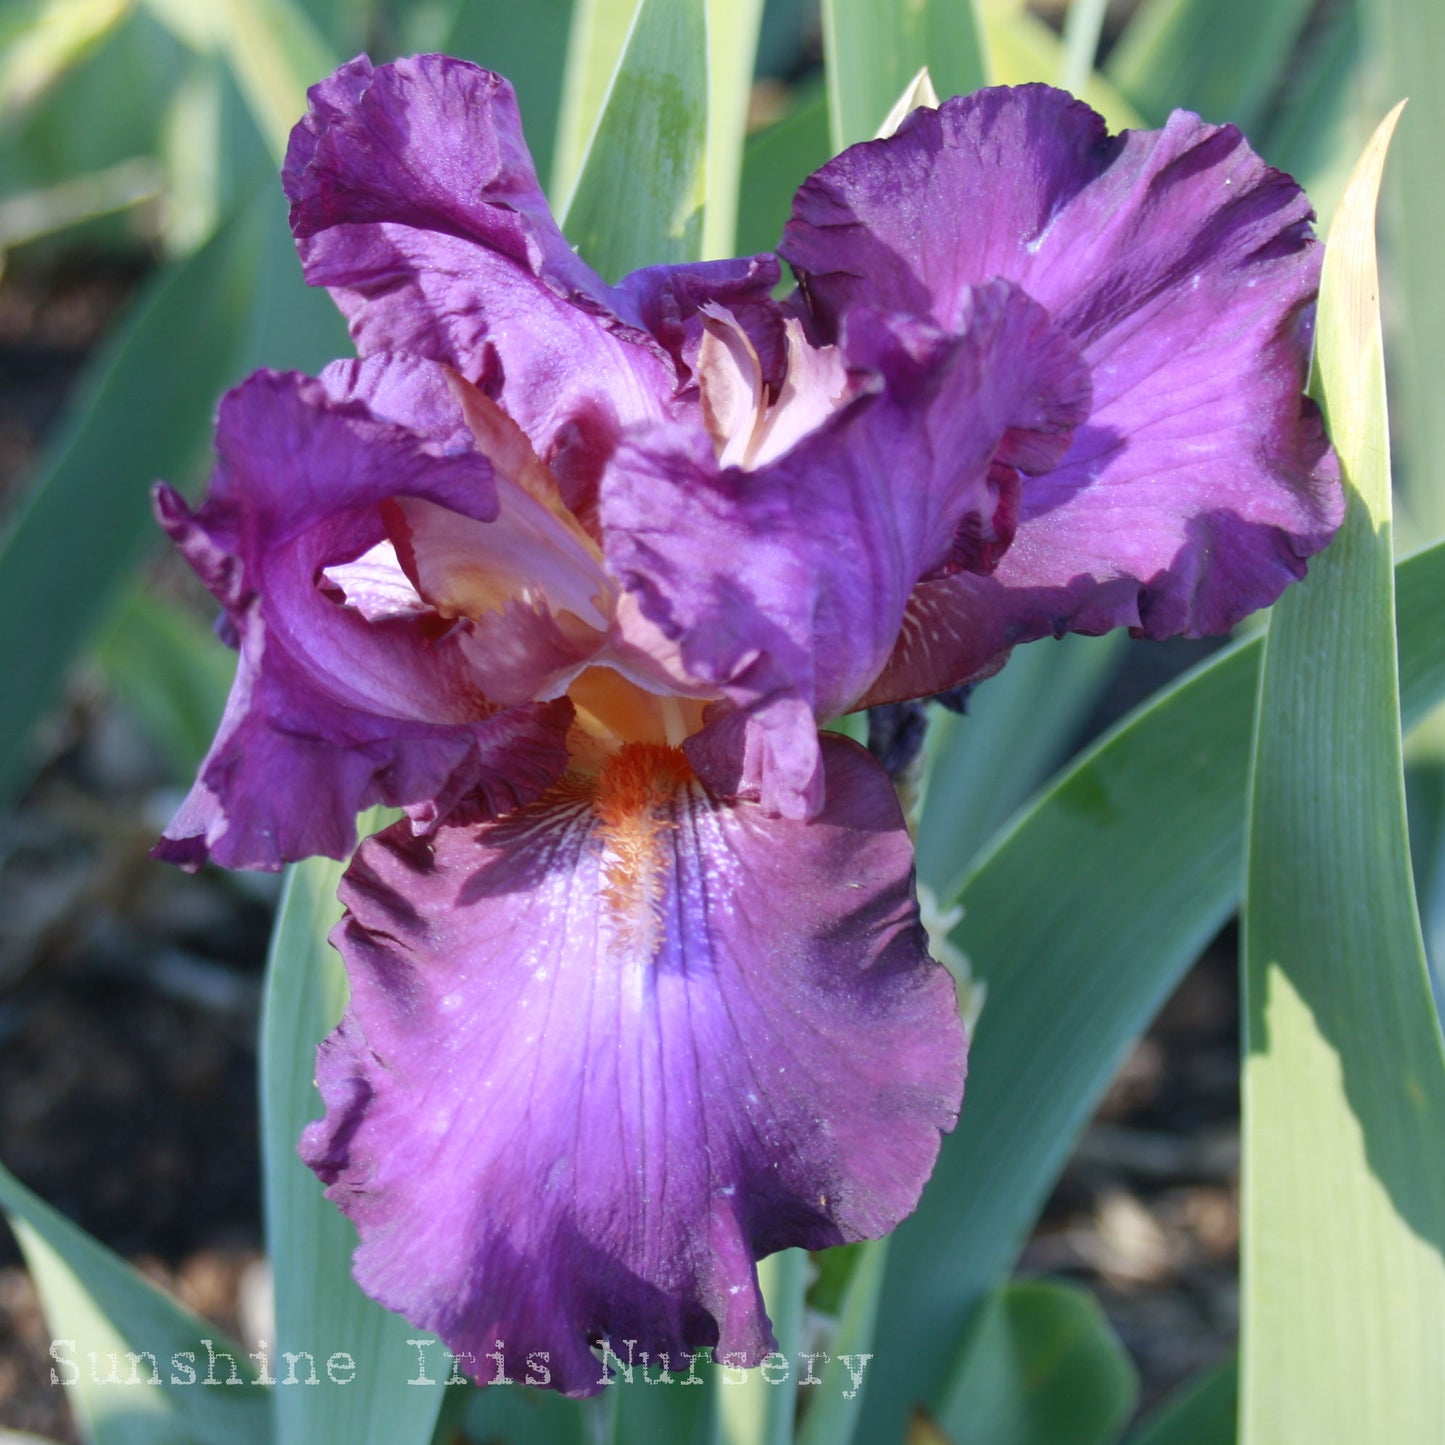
column 610, row 1357
column 734, row 1373
column 152, row 1374
column 211, row 1358
column 856, row 1374
column 810, row 1378
column 63, row 1353
column 772, row 1364
column 421, row 1375
column 291, row 1362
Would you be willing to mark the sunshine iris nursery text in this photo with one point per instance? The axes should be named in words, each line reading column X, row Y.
column 436, row 1365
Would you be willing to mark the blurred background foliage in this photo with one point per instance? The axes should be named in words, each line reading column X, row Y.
column 141, row 222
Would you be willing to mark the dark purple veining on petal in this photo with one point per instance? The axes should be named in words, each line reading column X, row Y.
column 604, row 1054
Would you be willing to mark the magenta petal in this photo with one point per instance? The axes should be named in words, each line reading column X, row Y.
column 666, row 301
column 329, row 712
column 958, row 194
column 414, row 199
column 433, row 145
column 603, row 1055
column 786, row 586
column 1184, row 269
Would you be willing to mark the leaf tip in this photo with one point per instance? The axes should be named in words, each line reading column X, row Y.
column 918, row 92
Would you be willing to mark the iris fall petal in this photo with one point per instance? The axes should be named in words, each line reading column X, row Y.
column 604, row 1054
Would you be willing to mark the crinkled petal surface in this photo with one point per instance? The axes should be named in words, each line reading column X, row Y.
column 330, row 711
column 1184, row 268
column 414, row 199
column 786, row 585
column 605, row 1053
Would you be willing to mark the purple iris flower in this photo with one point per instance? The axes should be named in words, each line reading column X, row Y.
column 573, row 571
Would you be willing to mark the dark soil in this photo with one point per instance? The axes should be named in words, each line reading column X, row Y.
column 49, row 321
column 1147, row 1211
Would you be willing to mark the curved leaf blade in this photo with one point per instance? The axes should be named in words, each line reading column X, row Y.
column 1202, row 1411
column 165, row 666
column 42, row 41
column 1222, row 58
column 1343, row 1217
column 732, row 49
column 597, row 36
column 1403, row 41
column 833, row 1413
column 776, row 161
column 982, row 767
column 871, row 53
column 1019, row 48
column 97, row 1305
column 276, row 54
column 624, row 214
column 1041, row 1366
column 319, row 1308
column 86, row 523
column 143, row 412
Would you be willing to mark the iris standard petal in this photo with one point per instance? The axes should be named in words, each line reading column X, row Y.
column 1184, row 269
column 785, row 585
column 604, row 1054
column 414, row 199
column 331, row 712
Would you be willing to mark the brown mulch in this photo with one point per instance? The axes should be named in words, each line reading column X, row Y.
column 49, row 322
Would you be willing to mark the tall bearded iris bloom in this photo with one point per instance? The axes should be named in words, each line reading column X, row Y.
column 573, row 571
